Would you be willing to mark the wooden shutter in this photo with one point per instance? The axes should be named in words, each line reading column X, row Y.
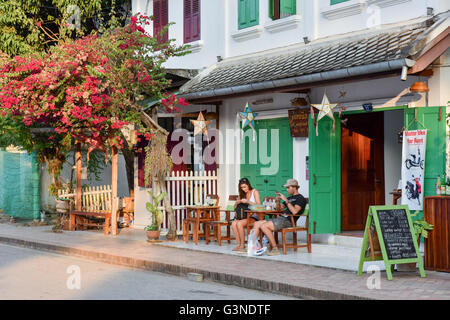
column 248, row 13
column 160, row 19
column 191, row 20
column 324, row 177
column 271, row 9
column 288, row 6
column 337, row 1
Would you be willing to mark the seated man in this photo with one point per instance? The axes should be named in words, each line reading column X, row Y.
column 294, row 204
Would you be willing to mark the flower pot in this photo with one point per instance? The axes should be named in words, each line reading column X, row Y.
column 153, row 235
column 62, row 206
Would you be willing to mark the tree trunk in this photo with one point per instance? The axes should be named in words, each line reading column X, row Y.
column 172, row 232
column 129, row 155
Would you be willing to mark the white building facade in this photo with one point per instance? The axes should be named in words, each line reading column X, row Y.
column 268, row 53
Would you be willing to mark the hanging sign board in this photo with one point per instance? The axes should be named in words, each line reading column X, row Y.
column 298, row 122
column 389, row 236
column 413, row 165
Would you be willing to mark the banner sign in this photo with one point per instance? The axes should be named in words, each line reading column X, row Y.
column 413, row 164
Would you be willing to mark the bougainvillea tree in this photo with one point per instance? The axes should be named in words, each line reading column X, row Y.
column 89, row 90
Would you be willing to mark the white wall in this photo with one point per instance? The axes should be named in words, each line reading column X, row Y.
column 356, row 15
column 316, row 19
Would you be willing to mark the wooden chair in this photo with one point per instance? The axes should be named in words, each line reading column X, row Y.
column 217, row 224
column 251, row 221
column 294, row 229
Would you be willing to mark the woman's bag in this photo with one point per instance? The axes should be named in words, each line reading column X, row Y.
column 240, row 211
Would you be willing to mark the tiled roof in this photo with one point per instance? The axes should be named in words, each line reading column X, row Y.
column 294, row 61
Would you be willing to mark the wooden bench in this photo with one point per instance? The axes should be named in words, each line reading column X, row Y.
column 95, row 209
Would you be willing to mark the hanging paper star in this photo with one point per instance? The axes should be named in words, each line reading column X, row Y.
column 325, row 109
column 200, row 125
column 248, row 117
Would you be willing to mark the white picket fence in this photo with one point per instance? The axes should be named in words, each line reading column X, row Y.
column 184, row 188
column 93, row 198
column 188, row 188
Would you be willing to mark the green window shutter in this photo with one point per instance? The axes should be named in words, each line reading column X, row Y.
column 337, row 1
column 288, row 6
column 248, row 13
column 271, row 9
column 324, row 177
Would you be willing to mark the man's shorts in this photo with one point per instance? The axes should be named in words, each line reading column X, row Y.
column 280, row 223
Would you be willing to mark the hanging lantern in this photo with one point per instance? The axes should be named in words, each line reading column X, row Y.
column 419, row 86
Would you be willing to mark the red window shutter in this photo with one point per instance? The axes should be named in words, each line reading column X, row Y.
column 191, row 20
column 187, row 13
column 165, row 18
column 160, row 18
column 195, row 20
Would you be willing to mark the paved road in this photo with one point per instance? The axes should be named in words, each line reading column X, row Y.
column 31, row 274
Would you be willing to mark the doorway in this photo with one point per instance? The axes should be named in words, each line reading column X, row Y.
column 362, row 167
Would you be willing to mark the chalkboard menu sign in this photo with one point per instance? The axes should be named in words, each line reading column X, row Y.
column 394, row 235
column 298, row 122
column 397, row 235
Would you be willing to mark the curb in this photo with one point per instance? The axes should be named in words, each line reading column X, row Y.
column 177, row 270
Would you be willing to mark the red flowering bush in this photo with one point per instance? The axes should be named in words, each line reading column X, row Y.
column 89, row 89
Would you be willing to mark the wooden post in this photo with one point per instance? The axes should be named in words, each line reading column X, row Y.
column 78, row 169
column 114, row 204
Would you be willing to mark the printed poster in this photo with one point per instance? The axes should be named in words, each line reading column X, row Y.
column 413, row 164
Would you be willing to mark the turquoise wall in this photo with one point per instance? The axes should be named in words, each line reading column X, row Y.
column 19, row 185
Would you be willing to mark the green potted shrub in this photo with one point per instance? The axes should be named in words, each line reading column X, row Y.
column 421, row 227
column 153, row 230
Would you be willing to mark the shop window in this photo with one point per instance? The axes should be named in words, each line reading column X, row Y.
column 279, row 9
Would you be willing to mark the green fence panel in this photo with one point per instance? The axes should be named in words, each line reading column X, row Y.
column 20, row 185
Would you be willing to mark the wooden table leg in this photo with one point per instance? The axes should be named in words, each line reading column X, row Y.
column 107, row 224
column 219, row 234
column 196, row 227
column 72, row 222
column 207, row 233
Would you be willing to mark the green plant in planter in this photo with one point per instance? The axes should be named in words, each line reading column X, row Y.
column 157, row 214
column 421, row 227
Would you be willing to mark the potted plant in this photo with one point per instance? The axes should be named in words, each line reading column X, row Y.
column 153, row 229
column 421, row 228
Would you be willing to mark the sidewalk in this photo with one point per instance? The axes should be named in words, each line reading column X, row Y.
column 274, row 274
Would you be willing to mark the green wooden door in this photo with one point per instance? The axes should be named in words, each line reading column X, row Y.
column 325, row 177
column 436, row 141
column 267, row 161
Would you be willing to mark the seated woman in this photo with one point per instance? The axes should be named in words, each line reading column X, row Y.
column 247, row 197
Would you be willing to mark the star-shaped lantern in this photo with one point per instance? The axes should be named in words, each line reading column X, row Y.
column 325, row 109
column 200, row 125
column 248, row 118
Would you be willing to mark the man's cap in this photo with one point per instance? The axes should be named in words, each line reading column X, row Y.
column 291, row 182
